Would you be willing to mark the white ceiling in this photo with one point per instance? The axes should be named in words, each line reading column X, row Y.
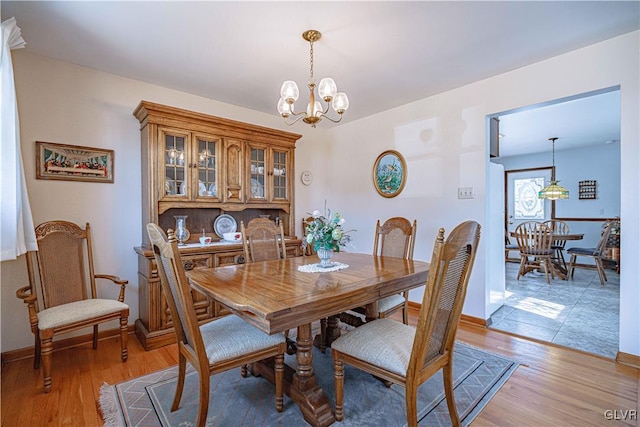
column 383, row 54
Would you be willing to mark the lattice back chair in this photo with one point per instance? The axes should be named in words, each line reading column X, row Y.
column 219, row 345
column 395, row 238
column 263, row 240
column 558, row 227
column 534, row 242
column 61, row 273
column 597, row 253
column 408, row 355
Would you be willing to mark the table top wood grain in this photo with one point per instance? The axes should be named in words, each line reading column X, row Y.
column 274, row 296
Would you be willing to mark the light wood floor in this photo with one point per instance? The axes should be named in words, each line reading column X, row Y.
column 553, row 387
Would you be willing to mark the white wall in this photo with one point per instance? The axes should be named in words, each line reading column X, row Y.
column 442, row 138
column 62, row 103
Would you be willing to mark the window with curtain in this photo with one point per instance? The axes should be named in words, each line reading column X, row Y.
column 17, row 234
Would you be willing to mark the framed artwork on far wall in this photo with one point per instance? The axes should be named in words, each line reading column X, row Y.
column 73, row 162
column 389, row 173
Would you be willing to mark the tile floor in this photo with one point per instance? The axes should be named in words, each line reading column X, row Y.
column 578, row 313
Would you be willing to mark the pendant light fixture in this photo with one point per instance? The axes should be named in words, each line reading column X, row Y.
column 327, row 90
column 553, row 191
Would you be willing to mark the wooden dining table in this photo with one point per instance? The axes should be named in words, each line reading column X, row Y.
column 559, row 269
column 275, row 296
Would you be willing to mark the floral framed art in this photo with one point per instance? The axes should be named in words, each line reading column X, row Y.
column 389, row 173
column 73, row 162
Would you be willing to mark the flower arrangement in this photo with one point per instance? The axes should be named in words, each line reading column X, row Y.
column 325, row 232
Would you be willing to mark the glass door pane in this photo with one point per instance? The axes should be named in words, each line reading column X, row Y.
column 174, row 170
column 207, row 167
column 280, row 175
column 258, row 172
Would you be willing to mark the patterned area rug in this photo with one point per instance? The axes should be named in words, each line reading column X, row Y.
column 238, row 401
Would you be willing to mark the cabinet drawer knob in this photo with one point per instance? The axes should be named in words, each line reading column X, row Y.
column 188, row 265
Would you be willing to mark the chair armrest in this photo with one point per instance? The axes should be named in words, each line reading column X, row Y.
column 26, row 295
column 117, row 281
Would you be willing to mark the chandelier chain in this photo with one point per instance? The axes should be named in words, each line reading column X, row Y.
column 311, row 62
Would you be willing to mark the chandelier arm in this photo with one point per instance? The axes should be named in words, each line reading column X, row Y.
column 300, row 116
column 332, row 120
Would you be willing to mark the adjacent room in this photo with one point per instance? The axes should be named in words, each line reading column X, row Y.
column 313, row 213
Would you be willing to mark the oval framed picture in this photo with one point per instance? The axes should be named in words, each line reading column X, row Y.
column 389, row 173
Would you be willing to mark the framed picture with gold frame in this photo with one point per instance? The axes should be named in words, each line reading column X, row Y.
column 73, row 162
column 389, row 173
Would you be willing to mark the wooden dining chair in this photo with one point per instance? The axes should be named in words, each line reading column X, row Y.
column 262, row 240
column 534, row 241
column 217, row 346
column 597, row 253
column 57, row 296
column 558, row 227
column 408, row 355
column 395, row 238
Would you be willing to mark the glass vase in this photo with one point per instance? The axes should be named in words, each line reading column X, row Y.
column 181, row 232
column 325, row 257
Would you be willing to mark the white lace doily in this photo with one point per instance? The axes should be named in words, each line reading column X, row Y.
column 315, row 268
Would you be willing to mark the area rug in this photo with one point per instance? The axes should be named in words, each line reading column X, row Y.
column 237, row 401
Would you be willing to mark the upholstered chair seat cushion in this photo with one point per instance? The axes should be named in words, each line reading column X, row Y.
column 77, row 311
column 582, row 251
column 231, row 337
column 386, row 303
column 370, row 342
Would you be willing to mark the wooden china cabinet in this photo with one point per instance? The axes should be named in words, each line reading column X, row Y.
column 204, row 166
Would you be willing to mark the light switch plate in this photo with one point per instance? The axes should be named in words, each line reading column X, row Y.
column 465, row 192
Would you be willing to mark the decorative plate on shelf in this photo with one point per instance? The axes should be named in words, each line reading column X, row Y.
column 213, row 191
column 202, row 189
column 224, row 224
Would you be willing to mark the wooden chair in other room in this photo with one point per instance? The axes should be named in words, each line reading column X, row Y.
column 57, row 296
column 217, row 346
column 534, row 241
column 408, row 355
column 558, row 227
column 508, row 246
column 597, row 253
column 263, row 240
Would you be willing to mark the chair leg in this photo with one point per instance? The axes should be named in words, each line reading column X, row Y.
column 338, row 379
column 279, row 368
column 572, row 263
column 182, row 368
column 545, row 263
column 203, row 407
column 46, row 352
column 36, row 356
column 411, row 400
column 405, row 308
column 447, row 377
column 95, row 336
column 523, row 263
column 601, row 274
column 124, row 334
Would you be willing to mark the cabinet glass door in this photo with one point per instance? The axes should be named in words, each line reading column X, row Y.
column 280, row 174
column 175, row 165
column 207, row 162
column 258, row 173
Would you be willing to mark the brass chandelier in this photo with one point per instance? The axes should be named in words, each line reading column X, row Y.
column 553, row 191
column 327, row 90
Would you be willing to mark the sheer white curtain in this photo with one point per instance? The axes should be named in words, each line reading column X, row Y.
column 16, row 229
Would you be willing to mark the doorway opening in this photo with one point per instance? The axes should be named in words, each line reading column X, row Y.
column 579, row 312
